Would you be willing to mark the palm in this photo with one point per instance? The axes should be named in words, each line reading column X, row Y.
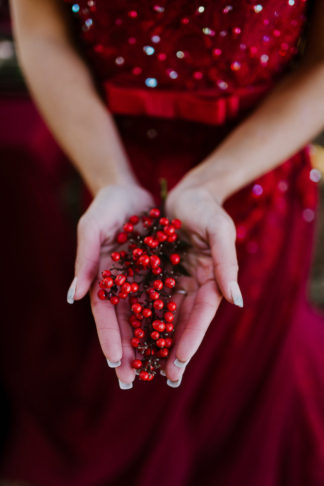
column 96, row 241
column 197, row 308
column 211, row 263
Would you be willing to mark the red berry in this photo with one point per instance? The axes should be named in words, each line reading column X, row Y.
column 168, row 316
column 106, row 273
column 134, row 287
column 149, row 352
column 120, row 279
column 143, row 375
column 160, row 343
column 164, row 221
column 169, row 230
column 130, row 272
column 169, row 327
column 161, row 236
column 144, row 260
column 115, row 256
column 102, row 284
column 101, row 294
column 147, row 313
column 172, row 238
column 155, row 335
column 121, row 238
column 150, row 377
column 122, row 295
column 158, row 284
column 163, row 353
column 170, row 282
column 176, row 223
column 126, row 288
column 158, row 326
column 155, row 261
column 137, row 364
column 108, row 282
column 123, row 255
column 171, row 306
column 154, row 295
column 128, row 227
column 147, row 222
column 154, row 244
column 114, row 300
column 136, row 308
column 139, row 333
column 135, row 323
column 135, row 342
column 175, row 258
column 134, row 219
column 157, row 270
column 168, row 342
column 137, row 252
column 148, row 240
column 154, row 213
column 158, row 304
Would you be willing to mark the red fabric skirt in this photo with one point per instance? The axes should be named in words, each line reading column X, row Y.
column 250, row 407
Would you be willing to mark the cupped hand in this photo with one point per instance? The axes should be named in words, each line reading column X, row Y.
column 213, row 267
column 95, row 240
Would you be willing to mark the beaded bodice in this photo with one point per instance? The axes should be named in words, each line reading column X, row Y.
column 189, row 45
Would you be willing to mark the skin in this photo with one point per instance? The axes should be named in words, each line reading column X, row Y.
column 290, row 116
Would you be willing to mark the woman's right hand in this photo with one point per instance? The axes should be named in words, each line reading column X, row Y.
column 95, row 240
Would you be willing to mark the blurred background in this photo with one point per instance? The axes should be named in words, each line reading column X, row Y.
column 23, row 130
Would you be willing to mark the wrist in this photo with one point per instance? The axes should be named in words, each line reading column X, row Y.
column 213, row 176
column 101, row 183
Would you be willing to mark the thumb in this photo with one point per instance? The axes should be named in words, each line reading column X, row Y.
column 87, row 259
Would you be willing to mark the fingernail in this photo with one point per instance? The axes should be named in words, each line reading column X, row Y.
column 125, row 386
column 113, row 364
column 162, row 372
column 180, row 364
column 71, row 291
column 174, row 384
column 236, row 293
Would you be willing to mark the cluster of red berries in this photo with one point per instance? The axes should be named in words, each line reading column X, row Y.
column 145, row 271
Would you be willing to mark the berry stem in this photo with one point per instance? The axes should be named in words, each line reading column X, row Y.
column 163, row 188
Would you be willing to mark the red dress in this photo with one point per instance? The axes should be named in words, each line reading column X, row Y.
column 178, row 76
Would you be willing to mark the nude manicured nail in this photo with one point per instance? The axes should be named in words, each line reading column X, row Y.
column 174, row 384
column 162, row 372
column 125, row 386
column 180, row 364
column 113, row 364
column 71, row 291
column 236, row 293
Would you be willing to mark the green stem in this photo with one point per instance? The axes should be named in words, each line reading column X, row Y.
column 163, row 188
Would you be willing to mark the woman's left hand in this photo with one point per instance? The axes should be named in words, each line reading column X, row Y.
column 213, row 267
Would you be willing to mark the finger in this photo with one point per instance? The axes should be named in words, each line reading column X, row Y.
column 125, row 373
column 185, row 287
column 173, row 372
column 87, row 258
column 204, row 308
column 104, row 314
column 222, row 244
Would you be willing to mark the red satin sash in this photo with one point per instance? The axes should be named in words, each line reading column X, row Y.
column 206, row 107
